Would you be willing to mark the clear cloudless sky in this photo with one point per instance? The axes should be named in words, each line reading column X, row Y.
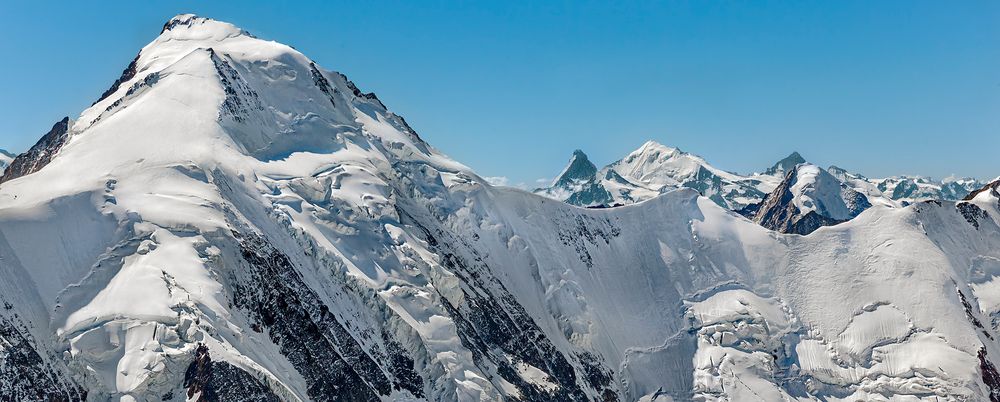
column 512, row 88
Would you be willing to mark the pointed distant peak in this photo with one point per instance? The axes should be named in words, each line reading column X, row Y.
column 793, row 159
column 182, row 26
column 785, row 164
column 580, row 168
column 579, row 160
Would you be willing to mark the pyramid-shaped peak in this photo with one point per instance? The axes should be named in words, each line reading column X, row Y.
column 794, row 157
column 785, row 164
column 579, row 168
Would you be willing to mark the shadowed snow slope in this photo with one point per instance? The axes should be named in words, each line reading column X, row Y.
column 232, row 222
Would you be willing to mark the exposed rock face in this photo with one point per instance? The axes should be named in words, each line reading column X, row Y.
column 127, row 75
column 40, row 154
column 578, row 184
column 25, row 374
column 777, row 212
column 990, row 375
column 214, row 381
column 501, row 334
column 333, row 363
column 992, row 187
column 807, row 199
column 579, row 169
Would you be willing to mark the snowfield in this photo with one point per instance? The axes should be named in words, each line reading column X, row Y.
column 232, row 222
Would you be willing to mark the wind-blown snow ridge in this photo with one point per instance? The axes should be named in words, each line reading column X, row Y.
column 233, row 222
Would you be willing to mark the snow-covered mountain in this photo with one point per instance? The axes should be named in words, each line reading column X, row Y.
column 988, row 191
column 863, row 185
column 808, row 198
column 5, row 158
column 649, row 171
column 232, row 222
column 578, row 184
column 919, row 188
column 654, row 169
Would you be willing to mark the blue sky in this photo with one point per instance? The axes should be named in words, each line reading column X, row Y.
column 511, row 89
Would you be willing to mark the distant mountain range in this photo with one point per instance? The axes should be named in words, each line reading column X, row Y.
column 802, row 191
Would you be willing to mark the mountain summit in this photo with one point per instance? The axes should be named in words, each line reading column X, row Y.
column 785, row 165
column 232, row 222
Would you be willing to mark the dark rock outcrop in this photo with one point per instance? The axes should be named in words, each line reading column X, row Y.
column 580, row 180
column 992, row 187
column 778, row 212
column 126, row 76
column 40, row 154
column 335, row 366
column 217, row 381
column 25, row 375
column 500, row 333
column 991, row 378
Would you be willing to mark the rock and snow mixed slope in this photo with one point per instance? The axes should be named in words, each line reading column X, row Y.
column 232, row 222
column 808, row 198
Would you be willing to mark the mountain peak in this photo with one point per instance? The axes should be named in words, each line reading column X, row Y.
column 191, row 26
column 655, row 146
column 808, row 198
column 580, row 168
column 785, row 164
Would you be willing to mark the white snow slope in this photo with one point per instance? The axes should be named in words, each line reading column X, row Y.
column 234, row 223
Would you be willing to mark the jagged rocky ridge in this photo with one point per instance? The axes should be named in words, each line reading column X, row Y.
column 40, row 154
column 251, row 227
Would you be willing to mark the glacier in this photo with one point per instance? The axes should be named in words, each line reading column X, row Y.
column 230, row 221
